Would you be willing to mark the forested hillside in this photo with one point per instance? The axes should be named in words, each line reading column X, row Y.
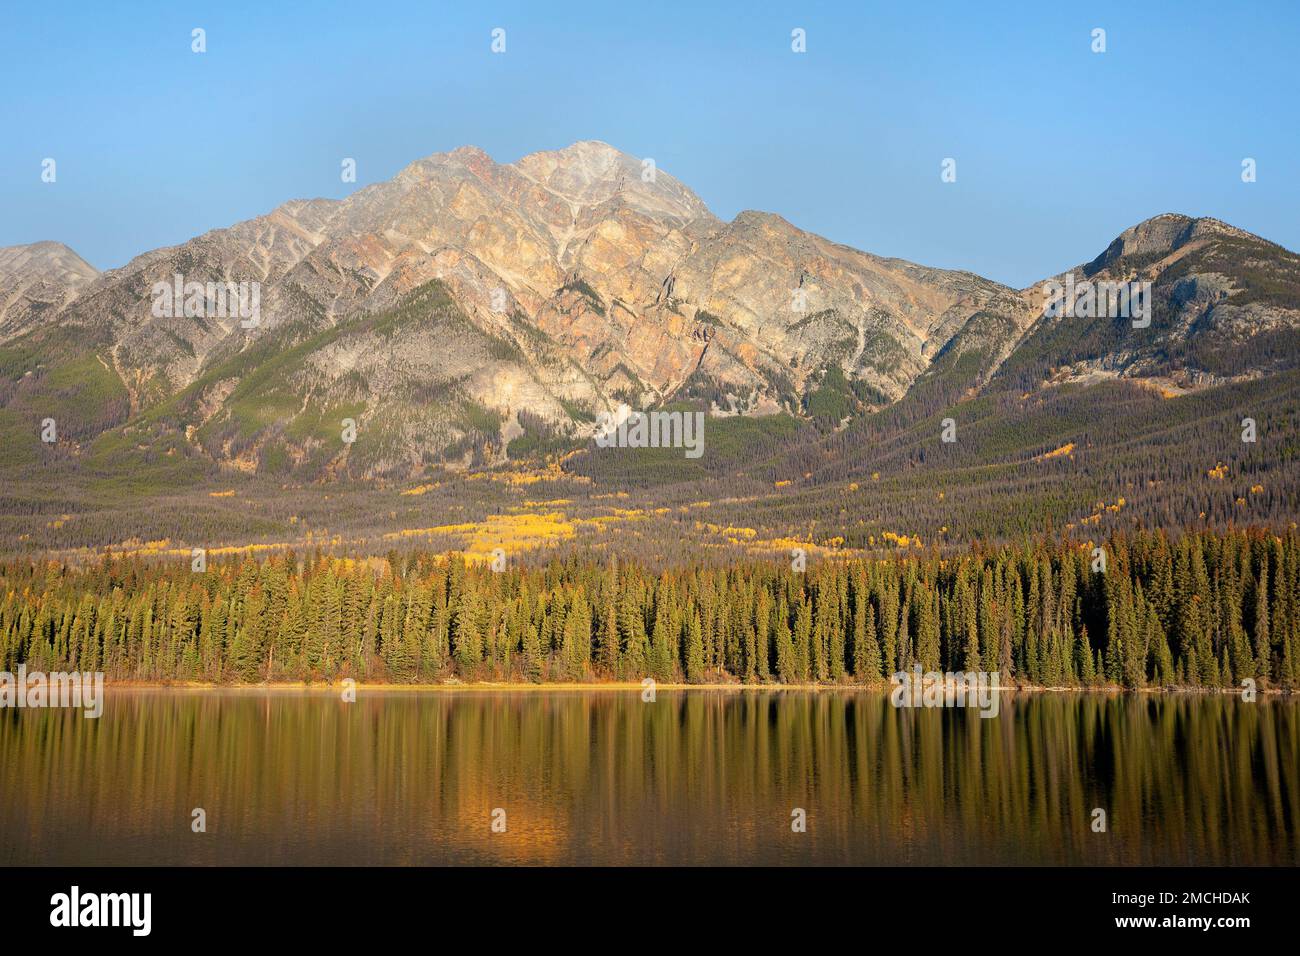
column 1202, row 610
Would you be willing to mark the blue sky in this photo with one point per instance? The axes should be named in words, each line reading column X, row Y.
column 1058, row 149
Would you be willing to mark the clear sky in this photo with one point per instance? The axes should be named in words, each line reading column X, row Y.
column 1058, row 148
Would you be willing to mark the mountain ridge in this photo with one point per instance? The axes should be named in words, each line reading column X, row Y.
column 567, row 283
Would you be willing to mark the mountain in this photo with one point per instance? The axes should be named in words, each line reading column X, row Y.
column 566, row 283
column 37, row 281
column 468, row 313
column 1225, row 306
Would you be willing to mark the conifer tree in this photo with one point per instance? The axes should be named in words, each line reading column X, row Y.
column 694, row 649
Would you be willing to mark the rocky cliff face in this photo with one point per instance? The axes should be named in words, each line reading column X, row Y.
column 436, row 309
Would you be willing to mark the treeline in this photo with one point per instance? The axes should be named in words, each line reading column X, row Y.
column 1203, row 610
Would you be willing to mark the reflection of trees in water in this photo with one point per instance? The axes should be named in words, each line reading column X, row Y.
column 694, row 777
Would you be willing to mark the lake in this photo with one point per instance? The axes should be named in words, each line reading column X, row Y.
column 695, row 777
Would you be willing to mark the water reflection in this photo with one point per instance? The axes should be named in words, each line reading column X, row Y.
column 697, row 777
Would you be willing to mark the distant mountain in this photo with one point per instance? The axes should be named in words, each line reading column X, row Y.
column 36, row 282
column 1226, row 306
column 466, row 304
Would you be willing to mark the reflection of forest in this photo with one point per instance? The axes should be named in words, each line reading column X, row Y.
column 696, row 777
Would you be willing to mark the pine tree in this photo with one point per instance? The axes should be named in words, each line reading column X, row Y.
column 467, row 639
column 576, row 651
column 787, row 662
column 631, row 626
column 694, row 649
column 803, row 641
column 763, row 635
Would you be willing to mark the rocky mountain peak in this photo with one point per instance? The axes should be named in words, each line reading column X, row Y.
column 1160, row 236
column 438, row 165
column 50, row 259
column 590, row 173
column 36, row 280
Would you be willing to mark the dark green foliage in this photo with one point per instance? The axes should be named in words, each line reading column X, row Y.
column 1204, row 610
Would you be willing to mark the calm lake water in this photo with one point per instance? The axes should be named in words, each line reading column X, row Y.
column 697, row 777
